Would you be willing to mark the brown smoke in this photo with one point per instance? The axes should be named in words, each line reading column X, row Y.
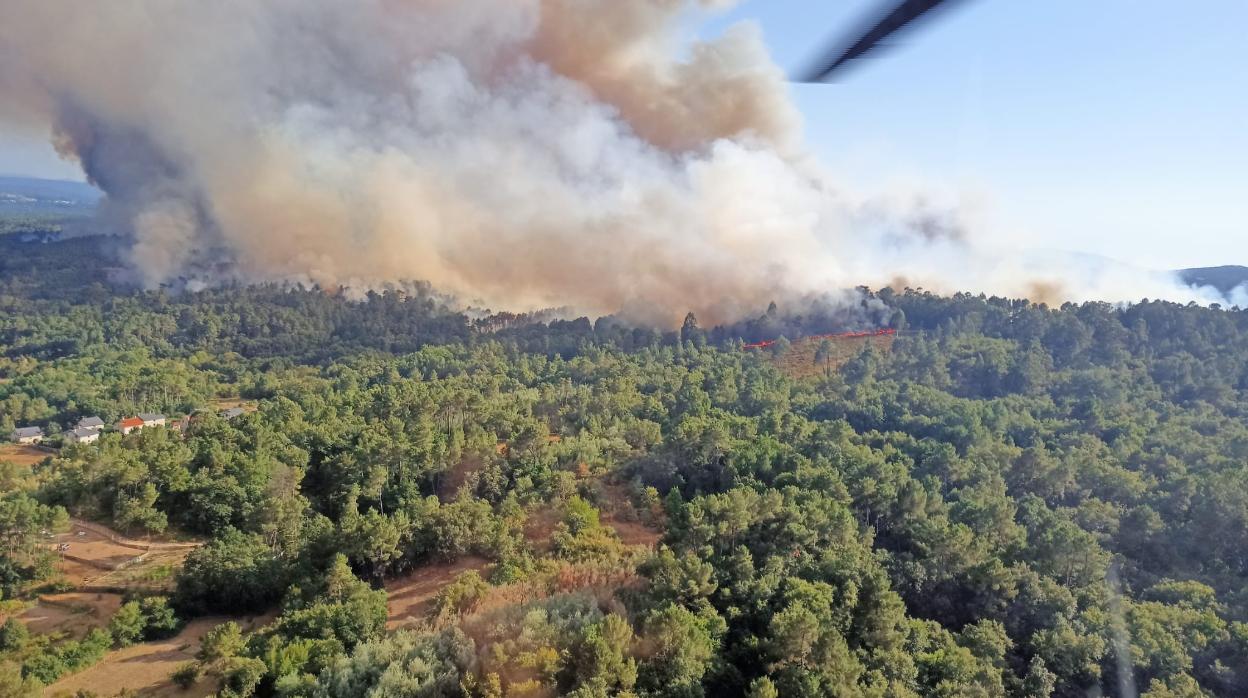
column 515, row 153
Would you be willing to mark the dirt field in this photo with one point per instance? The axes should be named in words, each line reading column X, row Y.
column 99, row 557
column 74, row 613
column 146, row 668
column 410, row 596
column 92, row 549
column 24, row 455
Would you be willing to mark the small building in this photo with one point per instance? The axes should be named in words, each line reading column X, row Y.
column 83, row 435
column 233, row 412
column 152, row 420
column 93, row 423
column 28, row 436
column 129, row 424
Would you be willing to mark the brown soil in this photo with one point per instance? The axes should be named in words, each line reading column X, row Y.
column 146, row 668
column 411, row 596
column 25, row 456
column 101, row 558
column 74, row 613
column 91, row 548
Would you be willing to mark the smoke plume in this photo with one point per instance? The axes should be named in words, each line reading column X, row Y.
column 516, row 153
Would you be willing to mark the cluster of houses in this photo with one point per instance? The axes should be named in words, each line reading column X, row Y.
column 88, row 429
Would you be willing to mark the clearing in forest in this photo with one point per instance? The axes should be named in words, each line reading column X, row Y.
column 73, row 613
column 23, row 455
column 145, row 668
column 799, row 361
column 410, row 596
column 96, row 558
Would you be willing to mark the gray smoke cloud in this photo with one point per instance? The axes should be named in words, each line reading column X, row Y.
column 516, row 153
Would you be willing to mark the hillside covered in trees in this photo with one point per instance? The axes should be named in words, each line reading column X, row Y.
column 1011, row 500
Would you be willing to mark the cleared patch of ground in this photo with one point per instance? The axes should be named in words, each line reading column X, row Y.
column 145, row 668
column 73, row 613
column 151, row 573
column 411, row 596
column 98, row 558
column 90, row 548
column 162, row 541
column 26, row 456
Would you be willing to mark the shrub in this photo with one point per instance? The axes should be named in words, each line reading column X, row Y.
column 161, row 620
column 187, row 675
column 127, row 624
column 13, row 635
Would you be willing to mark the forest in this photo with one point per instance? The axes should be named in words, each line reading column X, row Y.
column 1010, row 500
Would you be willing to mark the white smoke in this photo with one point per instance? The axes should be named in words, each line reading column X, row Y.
column 516, row 153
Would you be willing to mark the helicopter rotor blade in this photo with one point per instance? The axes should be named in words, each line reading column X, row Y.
column 904, row 15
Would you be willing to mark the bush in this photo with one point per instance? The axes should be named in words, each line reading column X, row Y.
column 242, row 675
column 13, row 635
column 127, row 624
column 45, row 668
column 459, row 597
column 161, row 620
column 222, row 642
column 187, row 675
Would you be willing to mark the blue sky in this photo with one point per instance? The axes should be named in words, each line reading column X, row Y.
column 1113, row 127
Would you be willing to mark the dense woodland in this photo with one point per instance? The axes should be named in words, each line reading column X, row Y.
column 1014, row 500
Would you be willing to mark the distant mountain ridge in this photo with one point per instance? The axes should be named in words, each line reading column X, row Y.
column 1225, row 278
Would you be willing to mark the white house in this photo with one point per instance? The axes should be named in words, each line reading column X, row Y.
column 152, row 420
column 83, row 435
column 93, row 423
column 28, row 435
column 129, row 424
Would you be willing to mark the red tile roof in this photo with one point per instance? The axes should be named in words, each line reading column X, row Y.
column 130, row 422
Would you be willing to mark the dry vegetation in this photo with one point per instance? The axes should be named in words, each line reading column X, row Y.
column 24, row 455
column 799, row 360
